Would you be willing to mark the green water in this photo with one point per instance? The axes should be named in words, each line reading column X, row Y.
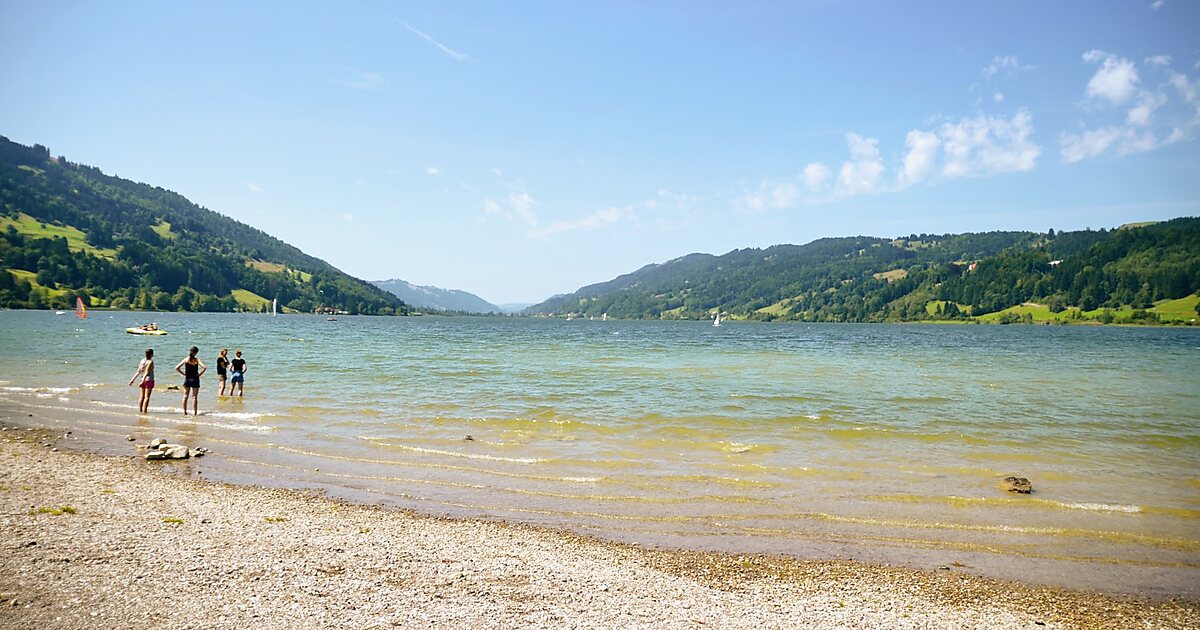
column 877, row 442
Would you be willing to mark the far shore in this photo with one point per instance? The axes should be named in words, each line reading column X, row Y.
column 97, row 541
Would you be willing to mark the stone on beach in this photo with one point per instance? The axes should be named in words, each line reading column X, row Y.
column 161, row 449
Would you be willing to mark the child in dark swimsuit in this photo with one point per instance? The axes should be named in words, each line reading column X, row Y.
column 191, row 368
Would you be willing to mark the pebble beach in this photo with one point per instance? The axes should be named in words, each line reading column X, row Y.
column 94, row 541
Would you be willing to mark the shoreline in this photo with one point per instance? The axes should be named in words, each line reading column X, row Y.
column 199, row 553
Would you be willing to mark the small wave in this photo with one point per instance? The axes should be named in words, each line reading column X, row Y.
column 91, row 385
column 434, row 451
column 1104, row 507
column 238, row 415
column 44, row 392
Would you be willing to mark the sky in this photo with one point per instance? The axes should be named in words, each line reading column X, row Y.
column 522, row 149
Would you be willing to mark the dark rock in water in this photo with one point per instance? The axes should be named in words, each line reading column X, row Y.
column 1019, row 485
column 469, row 439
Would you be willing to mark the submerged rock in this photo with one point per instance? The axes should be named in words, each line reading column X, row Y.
column 1019, row 485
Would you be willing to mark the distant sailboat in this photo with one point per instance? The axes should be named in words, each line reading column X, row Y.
column 274, row 307
column 717, row 319
column 80, row 309
column 604, row 317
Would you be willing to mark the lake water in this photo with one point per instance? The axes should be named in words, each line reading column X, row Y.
column 873, row 442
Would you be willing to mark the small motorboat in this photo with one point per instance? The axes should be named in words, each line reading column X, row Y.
column 145, row 330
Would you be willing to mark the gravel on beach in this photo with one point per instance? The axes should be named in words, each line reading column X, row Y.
column 91, row 541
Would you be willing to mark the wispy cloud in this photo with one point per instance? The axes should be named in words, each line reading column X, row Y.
column 453, row 54
column 254, row 188
column 1007, row 65
column 364, row 80
column 517, row 206
column 592, row 221
column 433, row 170
column 1157, row 4
column 347, row 217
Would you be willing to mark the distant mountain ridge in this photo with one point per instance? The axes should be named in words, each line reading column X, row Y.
column 918, row 277
column 70, row 230
column 436, row 297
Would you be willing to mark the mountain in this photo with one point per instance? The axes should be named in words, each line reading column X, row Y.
column 514, row 307
column 437, row 298
column 70, row 230
column 917, row 277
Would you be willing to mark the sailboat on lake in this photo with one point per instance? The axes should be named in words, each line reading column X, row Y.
column 717, row 319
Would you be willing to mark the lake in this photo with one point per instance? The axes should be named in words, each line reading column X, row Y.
column 881, row 443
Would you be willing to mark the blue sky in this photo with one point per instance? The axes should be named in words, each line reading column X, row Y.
column 517, row 150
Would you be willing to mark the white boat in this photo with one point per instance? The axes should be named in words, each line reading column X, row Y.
column 274, row 307
column 717, row 319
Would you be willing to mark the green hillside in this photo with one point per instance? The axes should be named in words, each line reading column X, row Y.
column 68, row 229
column 1142, row 273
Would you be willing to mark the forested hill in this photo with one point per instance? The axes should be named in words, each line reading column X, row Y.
column 1103, row 274
column 68, row 229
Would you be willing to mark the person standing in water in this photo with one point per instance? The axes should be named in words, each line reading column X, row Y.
column 238, row 378
column 146, row 371
column 222, row 364
column 191, row 368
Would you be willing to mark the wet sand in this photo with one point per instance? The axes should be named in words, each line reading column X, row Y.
column 100, row 541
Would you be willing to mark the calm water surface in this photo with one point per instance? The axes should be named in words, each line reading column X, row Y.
column 877, row 442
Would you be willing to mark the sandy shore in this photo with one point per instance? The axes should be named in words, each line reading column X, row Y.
column 115, row 542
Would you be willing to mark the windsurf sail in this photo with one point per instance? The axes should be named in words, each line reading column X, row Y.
column 80, row 309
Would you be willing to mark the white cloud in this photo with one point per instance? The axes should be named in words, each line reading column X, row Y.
column 1116, row 79
column 987, row 145
column 433, row 170
column 453, row 54
column 771, row 195
column 1186, row 87
column 815, row 175
column 862, row 173
column 365, row 80
column 1157, row 4
column 1006, row 64
column 522, row 205
column 254, row 188
column 347, row 217
column 518, row 206
column 1139, row 115
column 923, row 148
column 1155, row 116
column 1076, row 147
column 998, row 97
column 597, row 219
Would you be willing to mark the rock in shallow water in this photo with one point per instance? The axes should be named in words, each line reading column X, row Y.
column 1019, row 485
